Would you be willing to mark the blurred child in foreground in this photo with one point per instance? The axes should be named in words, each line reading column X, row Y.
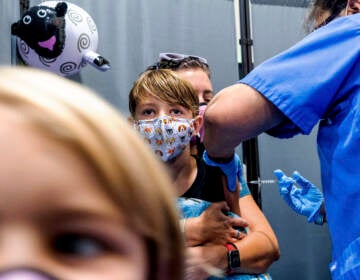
column 82, row 197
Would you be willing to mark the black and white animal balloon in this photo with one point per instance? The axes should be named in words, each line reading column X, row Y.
column 58, row 36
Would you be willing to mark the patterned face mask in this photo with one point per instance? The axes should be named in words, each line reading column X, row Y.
column 168, row 136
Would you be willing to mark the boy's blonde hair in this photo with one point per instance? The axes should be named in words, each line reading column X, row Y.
column 165, row 85
column 129, row 172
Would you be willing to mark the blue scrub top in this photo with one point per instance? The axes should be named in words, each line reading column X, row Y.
column 318, row 80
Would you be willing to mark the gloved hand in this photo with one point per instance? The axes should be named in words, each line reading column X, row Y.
column 305, row 199
column 232, row 170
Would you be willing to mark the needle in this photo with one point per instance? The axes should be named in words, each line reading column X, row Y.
column 261, row 182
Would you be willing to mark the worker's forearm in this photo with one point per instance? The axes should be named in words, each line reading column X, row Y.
column 237, row 113
column 257, row 252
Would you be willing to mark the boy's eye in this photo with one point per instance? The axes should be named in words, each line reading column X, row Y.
column 175, row 112
column 74, row 244
column 148, row 112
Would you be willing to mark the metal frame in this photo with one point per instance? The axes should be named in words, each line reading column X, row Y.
column 250, row 147
column 288, row 3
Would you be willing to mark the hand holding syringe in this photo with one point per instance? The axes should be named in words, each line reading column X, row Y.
column 302, row 196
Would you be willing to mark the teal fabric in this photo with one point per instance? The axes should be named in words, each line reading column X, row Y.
column 264, row 276
column 192, row 207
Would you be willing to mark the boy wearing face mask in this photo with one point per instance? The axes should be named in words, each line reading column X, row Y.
column 196, row 71
column 165, row 111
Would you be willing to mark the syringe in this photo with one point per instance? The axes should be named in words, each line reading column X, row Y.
column 260, row 182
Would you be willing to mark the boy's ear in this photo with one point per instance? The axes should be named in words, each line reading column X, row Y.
column 353, row 7
column 198, row 122
column 130, row 120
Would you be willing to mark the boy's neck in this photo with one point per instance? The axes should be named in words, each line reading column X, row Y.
column 183, row 171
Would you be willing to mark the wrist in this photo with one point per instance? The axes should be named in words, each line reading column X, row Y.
column 233, row 258
column 193, row 232
column 222, row 160
column 182, row 223
column 320, row 219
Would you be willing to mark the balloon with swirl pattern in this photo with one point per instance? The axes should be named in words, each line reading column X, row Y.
column 60, row 37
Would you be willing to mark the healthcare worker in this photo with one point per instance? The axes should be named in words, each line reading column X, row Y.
column 315, row 81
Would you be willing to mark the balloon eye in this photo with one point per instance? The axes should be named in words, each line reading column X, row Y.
column 41, row 13
column 27, row 19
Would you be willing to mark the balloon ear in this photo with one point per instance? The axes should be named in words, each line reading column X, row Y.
column 61, row 9
column 14, row 28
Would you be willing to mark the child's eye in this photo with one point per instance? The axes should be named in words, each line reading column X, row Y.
column 79, row 245
column 148, row 112
column 175, row 112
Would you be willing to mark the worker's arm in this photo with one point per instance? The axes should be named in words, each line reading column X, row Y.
column 235, row 114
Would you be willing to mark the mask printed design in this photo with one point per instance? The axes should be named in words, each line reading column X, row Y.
column 167, row 136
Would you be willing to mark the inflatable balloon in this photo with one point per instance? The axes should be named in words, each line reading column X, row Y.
column 58, row 36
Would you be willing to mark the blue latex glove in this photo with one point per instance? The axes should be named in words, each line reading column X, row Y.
column 305, row 199
column 232, row 170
